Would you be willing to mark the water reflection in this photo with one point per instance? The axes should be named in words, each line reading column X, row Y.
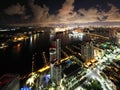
column 35, row 36
column 31, row 41
column 17, row 48
column 20, row 55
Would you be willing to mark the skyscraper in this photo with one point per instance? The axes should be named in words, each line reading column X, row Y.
column 118, row 38
column 87, row 51
column 91, row 50
column 58, row 49
column 57, row 74
column 55, row 57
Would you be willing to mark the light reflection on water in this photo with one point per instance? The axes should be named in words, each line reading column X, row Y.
column 31, row 40
column 18, row 58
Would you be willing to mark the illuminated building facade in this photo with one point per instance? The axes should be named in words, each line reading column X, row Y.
column 87, row 51
column 52, row 53
column 52, row 72
column 118, row 38
column 91, row 50
column 112, row 35
column 55, row 57
column 58, row 49
column 56, row 75
column 71, row 76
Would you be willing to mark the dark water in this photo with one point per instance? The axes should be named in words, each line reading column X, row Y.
column 18, row 58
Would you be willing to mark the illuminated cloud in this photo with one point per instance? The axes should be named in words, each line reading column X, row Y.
column 66, row 13
column 67, row 10
column 41, row 14
column 88, row 15
column 113, row 14
column 15, row 10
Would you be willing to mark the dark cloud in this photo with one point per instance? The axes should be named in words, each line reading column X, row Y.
column 15, row 9
column 113, row 14
column 66, row 14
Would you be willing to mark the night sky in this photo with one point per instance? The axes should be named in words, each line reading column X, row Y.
column 59, row 11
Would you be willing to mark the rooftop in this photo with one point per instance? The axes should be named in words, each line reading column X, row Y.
column 6, row 79
column 72, row 69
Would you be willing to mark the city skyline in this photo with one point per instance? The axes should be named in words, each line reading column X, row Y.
column 70, row 60
column 60, row 44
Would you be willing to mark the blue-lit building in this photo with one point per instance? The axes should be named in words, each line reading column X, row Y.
column 26, row 88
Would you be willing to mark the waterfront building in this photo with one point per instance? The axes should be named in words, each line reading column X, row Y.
column 52, row 53
column 58, row 74
column 58, row 49
column 87, row 51
column 55, row 57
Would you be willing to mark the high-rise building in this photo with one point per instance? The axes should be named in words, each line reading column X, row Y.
column 112, row 36
column 58, row 74
column 52, row 72
column 52, row 53
column 91, row 50
column 55, row 57
column 58, row 67
column 118, row 38
column 58, row 49
column 9, row 82
column 87, row 51
column 55, row 51
column 112, row 33
column 84, row 52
